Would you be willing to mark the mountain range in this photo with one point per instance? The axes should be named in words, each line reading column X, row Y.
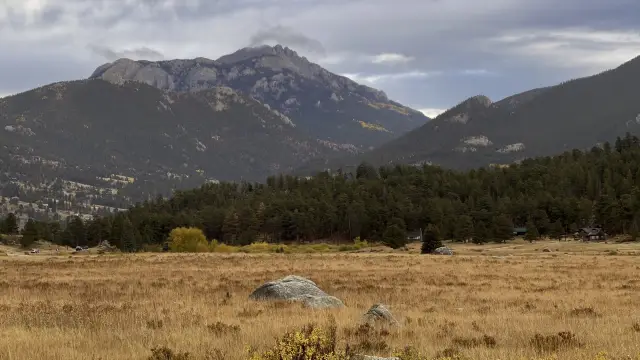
column 576, row 114
column 177, row 124
column 134, row 129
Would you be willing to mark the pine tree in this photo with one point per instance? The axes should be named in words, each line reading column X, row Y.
column 248, row 222
column 29, row 234
column 366, row 171
column 503, row 228
column 573, row 228
column 430, row 239
column 10, row 226
column 634, row 230
column 56, row 232
column 532, row 232
column 128, row 236
column 44, row 232
column 77, row 231
column 541, row 221
column 94, row 233
column 231, row 226
column 117, row 229
column 481, row 233
column 556, row 231
column 463, row 230
column 395, row 234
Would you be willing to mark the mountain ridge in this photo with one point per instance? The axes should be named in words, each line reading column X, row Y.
column 88, row 130
column 331, row 107
column 477, row 132
column 578, row 113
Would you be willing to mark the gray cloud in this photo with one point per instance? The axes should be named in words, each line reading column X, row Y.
column 286, row 36
column 141, row 53
column 494, row 47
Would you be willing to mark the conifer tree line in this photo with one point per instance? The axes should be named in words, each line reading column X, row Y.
column 550, row 196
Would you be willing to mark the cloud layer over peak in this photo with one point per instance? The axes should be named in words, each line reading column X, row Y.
column 426, row 54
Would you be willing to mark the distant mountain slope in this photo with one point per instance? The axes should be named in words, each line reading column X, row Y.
column 575, row 114
column 326, row 106
column 93, row 128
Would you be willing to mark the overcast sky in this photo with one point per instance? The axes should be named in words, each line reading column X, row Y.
column 428, row 54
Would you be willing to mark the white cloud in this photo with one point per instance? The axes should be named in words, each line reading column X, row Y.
column 391, row 59
column 381, row 78
column 476, row 72
column 333, row 59
column 592, row 50
column 363, row 59
column 432, row 112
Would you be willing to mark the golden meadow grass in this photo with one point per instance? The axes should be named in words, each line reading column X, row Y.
column 504, row 301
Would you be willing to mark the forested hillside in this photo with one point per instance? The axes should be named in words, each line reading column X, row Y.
column 552, row 195
column 575, row 114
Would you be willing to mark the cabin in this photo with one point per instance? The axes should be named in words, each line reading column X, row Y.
column 414, row 235
column 519, row 231
column 592, row 234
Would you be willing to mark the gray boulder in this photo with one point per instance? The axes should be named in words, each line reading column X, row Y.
column 321, row 302
column 379, row 314
column 296, row 288
column 443, row 251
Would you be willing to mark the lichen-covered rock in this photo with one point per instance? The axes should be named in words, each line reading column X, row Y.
column 321, row 302
column 296, row 288
column 287, row 288
column 443, row 251
column 379, row 314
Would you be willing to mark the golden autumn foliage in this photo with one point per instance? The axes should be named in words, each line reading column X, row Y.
column 188, row 240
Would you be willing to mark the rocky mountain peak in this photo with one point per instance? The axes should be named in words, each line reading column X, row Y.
column 259, row 51
column 480, row 100
column 329, row 106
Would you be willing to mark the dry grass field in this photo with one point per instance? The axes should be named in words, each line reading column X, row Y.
column 486, row 302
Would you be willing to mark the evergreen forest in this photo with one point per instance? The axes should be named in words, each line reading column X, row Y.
column 550, row 196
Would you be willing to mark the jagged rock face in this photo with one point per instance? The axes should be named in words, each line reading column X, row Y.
column 327, row 106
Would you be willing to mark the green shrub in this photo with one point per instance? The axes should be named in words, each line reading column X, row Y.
column 357, row 245
column 217, row 247
column 360, row 244
column 264, row 247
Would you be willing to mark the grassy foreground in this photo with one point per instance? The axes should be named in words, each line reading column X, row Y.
column 509, row 301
